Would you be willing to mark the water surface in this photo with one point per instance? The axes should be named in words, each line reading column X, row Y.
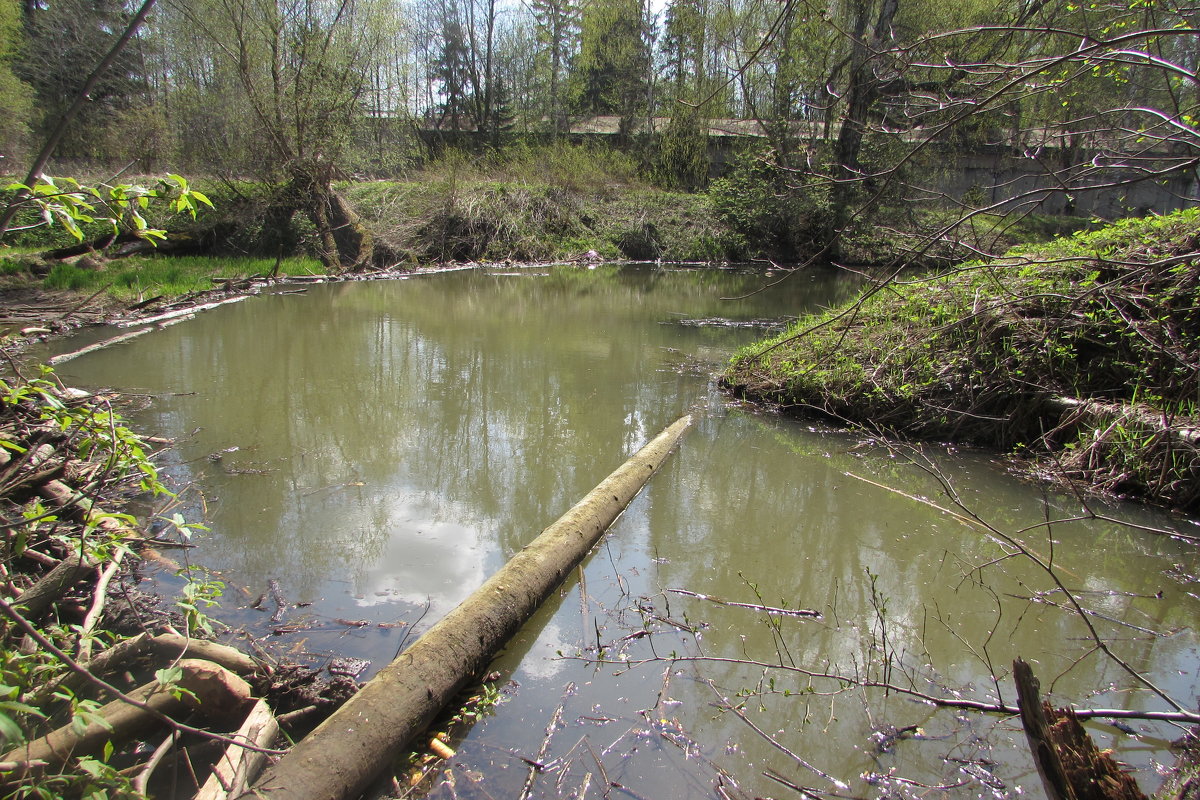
column 380, row 448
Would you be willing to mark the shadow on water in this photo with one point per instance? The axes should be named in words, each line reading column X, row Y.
column 380, row 448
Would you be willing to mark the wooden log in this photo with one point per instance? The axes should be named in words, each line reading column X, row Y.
column 70, row 570
column 172, row 645
column 124, row 337
column 215, row 692
column 54, row 583
column 181, row 312
column 341, row 757
column 167, row 646
column 238, row 766
column 1068, row 761
column 1037, row 733
column 119, row 656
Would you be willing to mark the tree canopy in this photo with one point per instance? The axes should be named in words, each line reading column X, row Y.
column 852, row 103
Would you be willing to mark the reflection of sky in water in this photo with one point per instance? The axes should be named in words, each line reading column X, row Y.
column 424, row 559
column 410, row 436
column 544, row 660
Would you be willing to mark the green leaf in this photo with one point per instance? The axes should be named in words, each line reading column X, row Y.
column 168, row 675
column 10, row 730
column 21, row 708
column 91, row 766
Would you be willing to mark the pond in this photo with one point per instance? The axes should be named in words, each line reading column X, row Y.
column 377, row 449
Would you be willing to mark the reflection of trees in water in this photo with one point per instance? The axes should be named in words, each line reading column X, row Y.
column 482, row 407
column 783, row 525
column 492, row 403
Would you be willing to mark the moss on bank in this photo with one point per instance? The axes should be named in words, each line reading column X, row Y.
column 1083, row 353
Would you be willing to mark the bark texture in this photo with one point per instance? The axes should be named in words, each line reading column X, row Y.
column 1068, row 761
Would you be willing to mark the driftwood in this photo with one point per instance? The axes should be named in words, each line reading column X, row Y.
column 341, row 757
column 119, row 656
column 783, row 612
column 1068, row 761
column 168, row 315
column 215, row 692
column 239, row 765
column 124, row 337
column 174, row 645
column 167, row 646
column 70, row 570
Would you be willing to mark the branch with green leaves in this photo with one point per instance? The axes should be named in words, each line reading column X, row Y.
column 123, row 206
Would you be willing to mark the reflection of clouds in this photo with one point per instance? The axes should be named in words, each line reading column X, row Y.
column 433, row 552
column 543, row 660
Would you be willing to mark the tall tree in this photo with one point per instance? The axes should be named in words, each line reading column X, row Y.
column 558, row 29
column 63, row 38
column 693, row 93
column 521, row 83
column 464, row 65
column 450, row 67
column 557, row 23
column 611, row 75
column 15, row 95
column 284, row 83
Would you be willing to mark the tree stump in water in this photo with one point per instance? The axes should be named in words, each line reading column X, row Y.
column 1070, row 764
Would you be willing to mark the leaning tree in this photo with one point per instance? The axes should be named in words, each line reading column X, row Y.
column 276, row 86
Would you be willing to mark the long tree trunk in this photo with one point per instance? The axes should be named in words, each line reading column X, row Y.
column 342, row 756
column 345, row 243
column 861, row 93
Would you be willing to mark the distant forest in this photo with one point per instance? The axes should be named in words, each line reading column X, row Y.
column 850, row 102
column 249, row 86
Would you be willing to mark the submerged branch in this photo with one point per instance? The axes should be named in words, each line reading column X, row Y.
column 787, row 612
column 847, row 681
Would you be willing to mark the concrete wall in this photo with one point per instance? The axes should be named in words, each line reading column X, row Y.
column 947, row 174
column 999, row 176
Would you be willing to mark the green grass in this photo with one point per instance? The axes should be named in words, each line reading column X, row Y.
column 136, row 279
column 541, row 204
column 983, row 352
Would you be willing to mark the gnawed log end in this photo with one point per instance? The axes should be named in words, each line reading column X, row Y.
column 1068, row 761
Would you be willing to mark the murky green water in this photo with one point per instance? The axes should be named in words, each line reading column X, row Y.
column 396, row 442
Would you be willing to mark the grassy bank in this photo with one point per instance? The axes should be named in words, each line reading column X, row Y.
column 527, row 204
column 1082, row 354
column 540, row 204
column 135, row 279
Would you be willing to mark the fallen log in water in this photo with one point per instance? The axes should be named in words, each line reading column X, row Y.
column 341, row 757
column 124, row 337
column 180, row 312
